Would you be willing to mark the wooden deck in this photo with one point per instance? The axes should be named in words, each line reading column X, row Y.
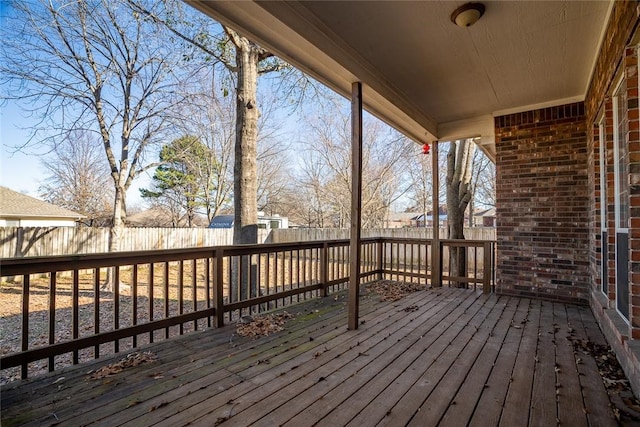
column 448, row 357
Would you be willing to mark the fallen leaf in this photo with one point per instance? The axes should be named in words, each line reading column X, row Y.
column 130, row 360
column 392, row 291
column 263, row 325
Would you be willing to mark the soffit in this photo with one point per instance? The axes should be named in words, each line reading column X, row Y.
column 421, row 73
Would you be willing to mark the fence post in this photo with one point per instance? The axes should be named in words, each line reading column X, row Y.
column 488, row 268
column 218, row 290
column 324, row 269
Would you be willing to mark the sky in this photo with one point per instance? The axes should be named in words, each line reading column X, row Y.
column 21, row 169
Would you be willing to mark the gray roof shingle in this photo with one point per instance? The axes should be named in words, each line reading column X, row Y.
column 14, row 204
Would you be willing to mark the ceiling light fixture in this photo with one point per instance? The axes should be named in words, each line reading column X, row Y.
column 467, row 14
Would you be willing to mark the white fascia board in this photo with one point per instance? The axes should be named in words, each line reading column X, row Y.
column 482, row 127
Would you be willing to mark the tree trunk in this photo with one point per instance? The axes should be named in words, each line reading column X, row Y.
column 119, row 216
column 459, row 167
column 245, row 226
column 116, row 231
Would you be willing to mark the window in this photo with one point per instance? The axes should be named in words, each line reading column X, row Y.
column 621, row 156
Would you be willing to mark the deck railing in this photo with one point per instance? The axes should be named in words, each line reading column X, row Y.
column 75, row 308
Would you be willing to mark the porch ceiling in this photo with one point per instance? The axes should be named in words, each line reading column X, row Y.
column 421, row 73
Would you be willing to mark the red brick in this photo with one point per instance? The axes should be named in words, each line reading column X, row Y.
column 547, row 191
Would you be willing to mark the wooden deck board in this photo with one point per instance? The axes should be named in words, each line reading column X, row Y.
column 177, row 372
column 489, row 407
column 443, row 396
column 567, row 375
column 515, row 411
column 258, row 388
column 441, row 357
column 543, row 397
column 470, row 391
column 346, row 364
column 345, row 400
column 593, row 390
column 384, row 405
column 257, row 369
column 172, row 359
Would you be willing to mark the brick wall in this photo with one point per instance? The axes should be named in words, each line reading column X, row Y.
column 617, row 59
column 543, row 204
column 622, row 24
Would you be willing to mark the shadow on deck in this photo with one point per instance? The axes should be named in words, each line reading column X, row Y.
column 444, row 356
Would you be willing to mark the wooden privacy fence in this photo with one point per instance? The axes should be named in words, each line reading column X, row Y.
column 16, row 242
column 51, row 241
column 158, row 294
column 284, row 235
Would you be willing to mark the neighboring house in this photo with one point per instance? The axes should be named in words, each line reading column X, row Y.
column 20, row 210
column 273, row 222
column 485, row 218
column 482, row 218
column 399, row 219
column 266, row 222
column 157, row 217
column 419, row 220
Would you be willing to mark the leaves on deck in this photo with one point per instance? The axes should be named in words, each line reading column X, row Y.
column 262, row 325
column 624, row 405
column 390, row 290
column 130, row 360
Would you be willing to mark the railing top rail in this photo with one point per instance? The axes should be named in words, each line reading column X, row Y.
column 465, row 242
column 35, row 265
column 56, row 263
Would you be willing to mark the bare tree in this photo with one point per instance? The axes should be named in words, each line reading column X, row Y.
column 244, row 60
column 79, row 179
column 211, row 117
column 484, row 181
column 459, row 193
column 272, row 159
column 419, row 175
column 97, row 67
column 310, row 186
column 329, row 152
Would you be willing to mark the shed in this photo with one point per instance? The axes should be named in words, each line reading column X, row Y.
column 221, row 221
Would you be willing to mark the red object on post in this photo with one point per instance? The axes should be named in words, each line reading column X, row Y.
column 425, row 149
